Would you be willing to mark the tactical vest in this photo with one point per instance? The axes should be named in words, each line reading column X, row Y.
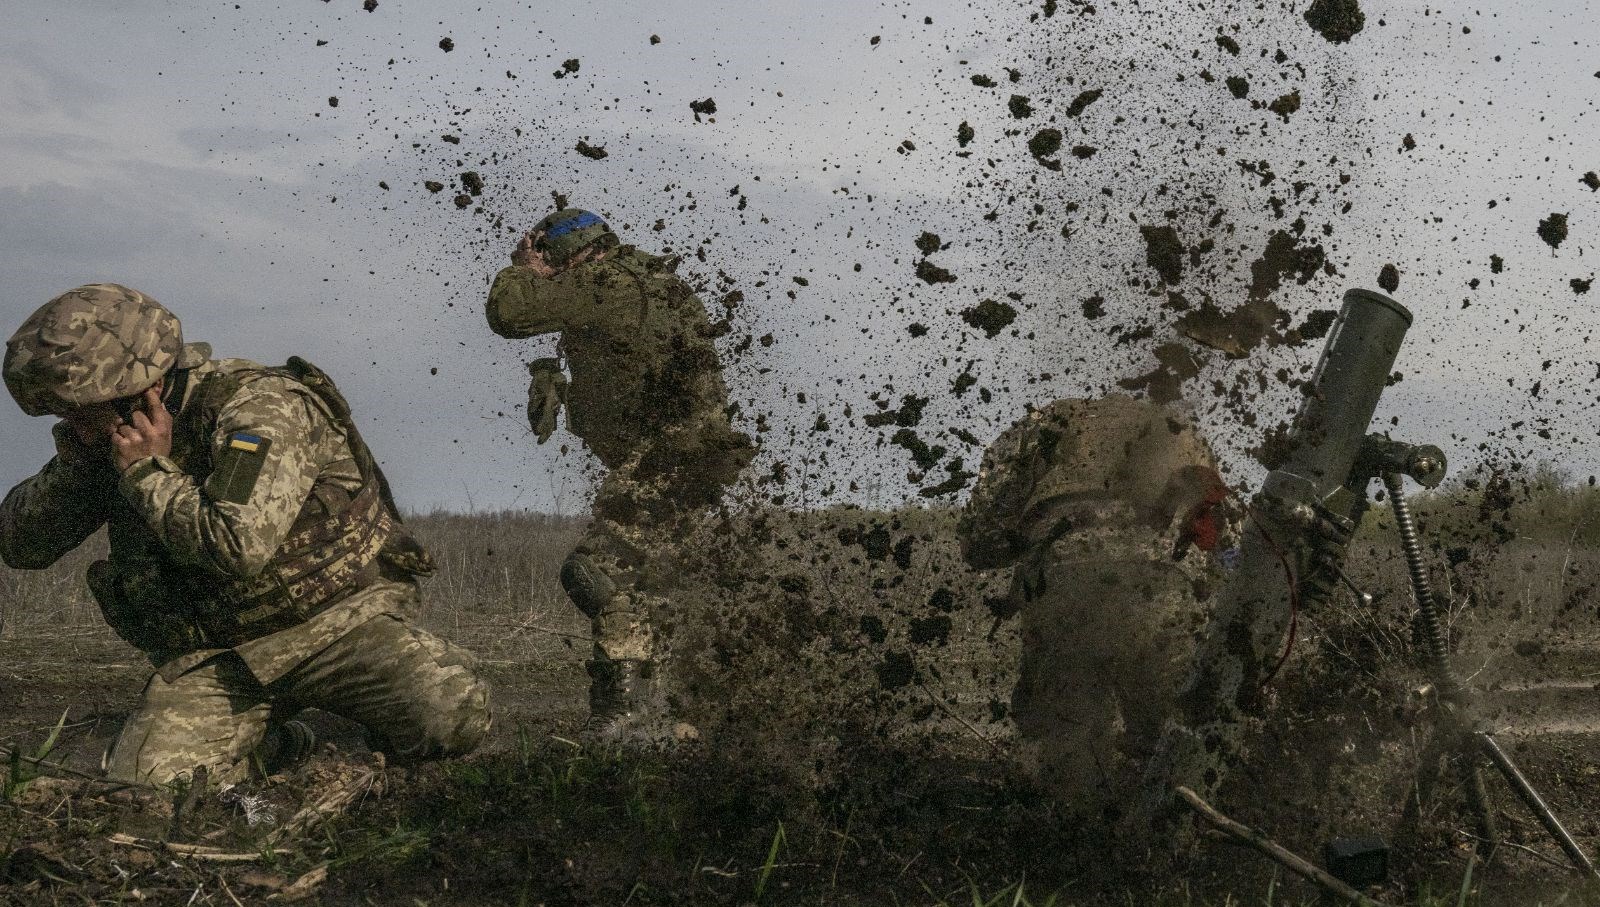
column 337, row 544
column 1110, row 459
column 1108, row 463
column 643, row 370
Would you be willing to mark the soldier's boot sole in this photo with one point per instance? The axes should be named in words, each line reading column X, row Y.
column 287, row 746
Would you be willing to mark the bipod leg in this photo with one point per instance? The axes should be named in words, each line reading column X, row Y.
column 1477, row 797
column 1536, row 804
column 1419, row 797
column 1452, row 731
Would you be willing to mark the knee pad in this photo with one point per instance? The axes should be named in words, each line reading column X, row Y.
column 457, row 721
column 586, row 584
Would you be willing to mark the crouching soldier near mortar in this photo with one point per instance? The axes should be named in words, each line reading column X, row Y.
column 256, row 555
column 646, row 396
column 1110, row 510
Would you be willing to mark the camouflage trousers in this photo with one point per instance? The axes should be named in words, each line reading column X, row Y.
column 614, row 577
column 1107, row 635
column 417, row 695
column 620, row 571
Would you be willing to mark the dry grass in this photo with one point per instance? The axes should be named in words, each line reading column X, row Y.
column 791, row 627
column 36, row 601
column 497, row 589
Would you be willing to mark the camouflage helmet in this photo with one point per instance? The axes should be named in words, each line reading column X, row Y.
column 568, row 232
column 97, row 343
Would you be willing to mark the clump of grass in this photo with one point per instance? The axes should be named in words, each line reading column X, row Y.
column 22, row 771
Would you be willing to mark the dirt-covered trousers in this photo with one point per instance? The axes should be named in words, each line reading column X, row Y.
column 612, row 578
column 642, row 509
column 1108, row 621
column 417, row 695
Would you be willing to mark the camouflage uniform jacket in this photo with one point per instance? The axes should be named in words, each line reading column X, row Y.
column 637, row 341
column 1114, row 467
column 200, row 514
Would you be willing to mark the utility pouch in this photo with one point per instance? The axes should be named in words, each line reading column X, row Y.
column 138, row 606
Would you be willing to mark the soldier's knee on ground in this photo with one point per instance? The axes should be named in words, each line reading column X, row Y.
column 213, row 716
column 453, row 723
column 456, row 718
column 419, row 696
column 464, row 724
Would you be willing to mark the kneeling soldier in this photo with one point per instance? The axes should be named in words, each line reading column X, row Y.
column 1112, row 511
column 256, row 554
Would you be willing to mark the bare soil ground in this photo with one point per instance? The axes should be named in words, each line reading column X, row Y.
column 850, row 678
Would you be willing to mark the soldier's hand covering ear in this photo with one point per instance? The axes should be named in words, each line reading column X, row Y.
column 149, row 435
column 526, row 256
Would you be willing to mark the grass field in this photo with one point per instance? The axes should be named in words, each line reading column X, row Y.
column 850, row 680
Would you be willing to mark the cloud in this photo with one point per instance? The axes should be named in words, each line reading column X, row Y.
column 38, row 85
column 213, row 187
column 55, row 223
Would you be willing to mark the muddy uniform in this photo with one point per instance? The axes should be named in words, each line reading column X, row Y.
column 646, row 396
column 261, row 568
column 1108, row 508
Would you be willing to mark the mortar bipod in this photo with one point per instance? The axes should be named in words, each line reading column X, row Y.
column 1458, row 736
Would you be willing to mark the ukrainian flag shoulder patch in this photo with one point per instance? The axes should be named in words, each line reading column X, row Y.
column 238, row 467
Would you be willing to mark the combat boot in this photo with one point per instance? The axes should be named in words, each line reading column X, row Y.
column 621, row 700
column 287, row 746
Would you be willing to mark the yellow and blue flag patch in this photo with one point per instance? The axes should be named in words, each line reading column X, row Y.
column 241, row 441
column 237, row 468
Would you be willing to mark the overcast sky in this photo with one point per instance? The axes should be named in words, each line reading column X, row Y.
column 191, row 150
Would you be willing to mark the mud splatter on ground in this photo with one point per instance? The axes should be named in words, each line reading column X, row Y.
column 1095, row 207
